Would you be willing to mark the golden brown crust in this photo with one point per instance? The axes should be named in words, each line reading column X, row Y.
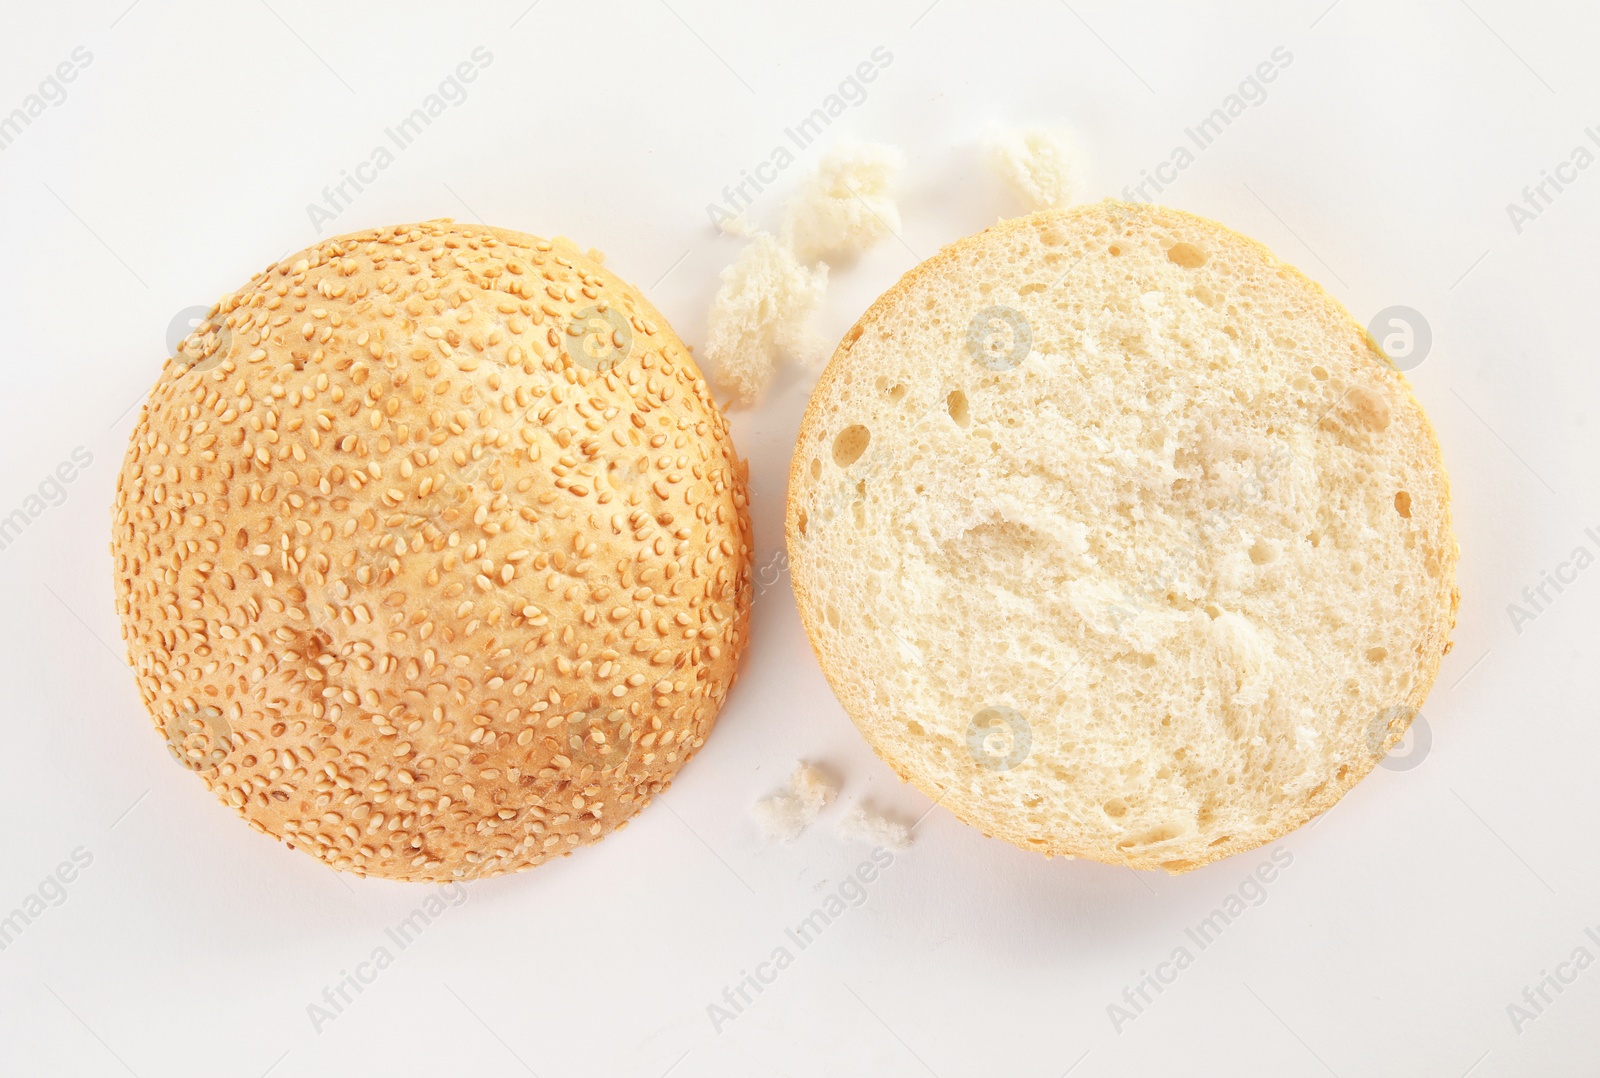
column 432, row 551
column 1431, row 652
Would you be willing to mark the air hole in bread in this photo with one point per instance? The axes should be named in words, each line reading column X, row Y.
column 1263, row 552
column 800, row 521
column 1032, row 287
column 1163, row 833
column 897, row 392
column 1377, row 655
column 1320, row 373
column 956, row 402
column 816, row 468
column 1114, row 250
column 1231, row 331
column 1372, row 408
column 1179, row 865
column 850, row 443
column 915, row 728
column 1402, row 504
column 1187, row 255
column 1116, row 808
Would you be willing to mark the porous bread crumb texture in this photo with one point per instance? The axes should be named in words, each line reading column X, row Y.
column 846, row 205
column 1038, row 164
column 1115, row 534
column 764, row 310
column 783, row 817
column 465, row 596
column 766, row 306
column 812, row 787
column 863, row 825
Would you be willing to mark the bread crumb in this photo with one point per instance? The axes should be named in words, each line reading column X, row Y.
column 846, row 205
column 860, row 825
column 763, row 311
column 784, row 816
column 812, row 787
column 1040, row 164
column 735, row 225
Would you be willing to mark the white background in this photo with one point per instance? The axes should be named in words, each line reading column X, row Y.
column 183, row 159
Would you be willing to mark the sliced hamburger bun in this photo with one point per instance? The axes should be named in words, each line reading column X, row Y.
column 1118, row 537
column 432, row 552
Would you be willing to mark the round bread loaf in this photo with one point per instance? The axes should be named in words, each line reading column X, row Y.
column 432, row 551
column 1118, row 537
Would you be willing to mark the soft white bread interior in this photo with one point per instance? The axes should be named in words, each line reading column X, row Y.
column 1119, row 537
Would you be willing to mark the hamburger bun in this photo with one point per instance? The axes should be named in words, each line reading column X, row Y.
column 432, row 552
column 1119, row 538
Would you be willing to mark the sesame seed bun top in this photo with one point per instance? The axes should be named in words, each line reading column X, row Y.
column 432, row 551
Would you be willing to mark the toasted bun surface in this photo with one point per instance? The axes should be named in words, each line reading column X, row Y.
column 432, row 552
column 1117, row 536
